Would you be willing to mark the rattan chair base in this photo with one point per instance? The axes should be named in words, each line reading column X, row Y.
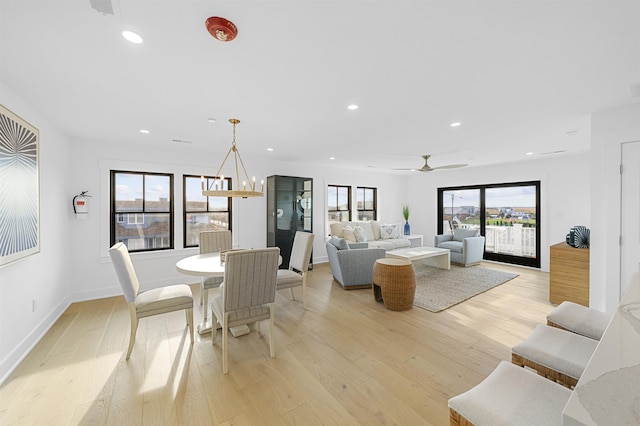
column 457, row 419
column 553, row 324
column 555, row 376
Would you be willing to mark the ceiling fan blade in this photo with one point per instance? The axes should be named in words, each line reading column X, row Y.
column 428, row 168
column 450, row 166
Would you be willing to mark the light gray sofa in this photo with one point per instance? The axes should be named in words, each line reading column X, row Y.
column 377, row 234
column 466, row 246
column 352, row 263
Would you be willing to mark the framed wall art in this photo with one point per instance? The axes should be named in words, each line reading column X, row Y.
column 19, row 188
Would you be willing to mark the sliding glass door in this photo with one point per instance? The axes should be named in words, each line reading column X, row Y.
column 507, row 214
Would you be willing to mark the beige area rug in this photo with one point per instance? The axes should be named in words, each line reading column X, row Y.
column 439, row 289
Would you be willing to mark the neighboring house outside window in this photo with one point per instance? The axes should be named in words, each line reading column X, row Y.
column 203, row 213
column 142, row 210
column 366, row 203
column 338, row 204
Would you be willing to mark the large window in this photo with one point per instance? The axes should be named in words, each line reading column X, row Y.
column 202, row 213
column 366, row 203
column 338, row 204
column 142, row 210
column 507, row 214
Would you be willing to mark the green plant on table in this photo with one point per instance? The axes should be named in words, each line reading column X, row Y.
column 405, row 211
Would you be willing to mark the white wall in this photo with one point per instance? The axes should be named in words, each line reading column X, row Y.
column 45, row 275
column 90, row 237
column 609, row 130
column 93, row 275
column 565, row 194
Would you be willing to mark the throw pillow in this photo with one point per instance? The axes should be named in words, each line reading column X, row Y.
column 460, row 234
column 388, row 232
column 340, row 243
column 375, row 228
column 361, row 236
column 348, row 234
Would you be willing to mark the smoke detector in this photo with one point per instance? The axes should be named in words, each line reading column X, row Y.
column 221, row 29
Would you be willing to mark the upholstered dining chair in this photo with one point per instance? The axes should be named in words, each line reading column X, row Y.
column 152, row 302
column 248, row 294
column 211, row 242
column 296, row 275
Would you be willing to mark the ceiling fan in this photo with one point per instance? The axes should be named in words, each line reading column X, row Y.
column 428, row 168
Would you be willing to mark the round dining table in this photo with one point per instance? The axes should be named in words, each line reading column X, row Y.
column 207, row 265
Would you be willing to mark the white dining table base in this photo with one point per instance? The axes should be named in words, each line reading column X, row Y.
column 206, row 325
column 205, row 328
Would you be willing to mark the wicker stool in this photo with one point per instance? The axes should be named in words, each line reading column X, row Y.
column 394, row 283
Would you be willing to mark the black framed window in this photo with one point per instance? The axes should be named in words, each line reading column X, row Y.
column 367, row 203
column 507, row 214
column 338, row 204
column 203, row 213
column 142, row 210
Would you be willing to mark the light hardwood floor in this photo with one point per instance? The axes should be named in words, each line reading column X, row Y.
column 344, row 361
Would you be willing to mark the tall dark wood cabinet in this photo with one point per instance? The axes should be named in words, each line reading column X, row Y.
column 289, row 209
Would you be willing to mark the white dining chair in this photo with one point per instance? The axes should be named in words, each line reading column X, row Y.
column 212, row 242
column 296, row 275
column 248, row 294
column 152, row 302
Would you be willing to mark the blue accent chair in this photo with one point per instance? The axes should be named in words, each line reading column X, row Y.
column 466, row 246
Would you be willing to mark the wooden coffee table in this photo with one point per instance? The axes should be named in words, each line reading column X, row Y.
column 433, row 256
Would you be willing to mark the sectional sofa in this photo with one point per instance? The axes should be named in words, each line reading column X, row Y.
column 352, row 263
column 375, row 233
column 354, row 247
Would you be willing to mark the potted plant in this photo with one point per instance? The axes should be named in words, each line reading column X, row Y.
column 405, row 213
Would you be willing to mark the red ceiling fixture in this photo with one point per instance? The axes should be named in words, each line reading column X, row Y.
column 222, row 29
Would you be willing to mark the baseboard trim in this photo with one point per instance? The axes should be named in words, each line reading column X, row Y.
column 16, row 356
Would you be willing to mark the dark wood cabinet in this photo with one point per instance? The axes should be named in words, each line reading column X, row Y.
column 289, row 209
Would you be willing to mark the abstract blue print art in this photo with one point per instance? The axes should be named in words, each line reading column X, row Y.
column 19, row 188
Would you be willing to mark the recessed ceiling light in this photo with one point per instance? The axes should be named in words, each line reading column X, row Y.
column 132, row 37
column 270, row 149
column 144, row 131
column 529, row 153
column 352, row 107
column 455, row 124
column 332, row 158
column 211, row 120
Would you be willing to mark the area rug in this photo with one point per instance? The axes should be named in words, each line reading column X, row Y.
column 438, row 289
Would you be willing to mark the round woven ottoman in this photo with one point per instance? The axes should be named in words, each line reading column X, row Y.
column 394, row 283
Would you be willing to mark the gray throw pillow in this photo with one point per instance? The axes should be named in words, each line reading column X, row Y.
column 340, row 243
column 460, row 234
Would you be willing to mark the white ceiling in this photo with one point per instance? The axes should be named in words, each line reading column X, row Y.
column 520, row 75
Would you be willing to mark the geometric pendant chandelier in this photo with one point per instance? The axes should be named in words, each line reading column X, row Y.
column 217, row 189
